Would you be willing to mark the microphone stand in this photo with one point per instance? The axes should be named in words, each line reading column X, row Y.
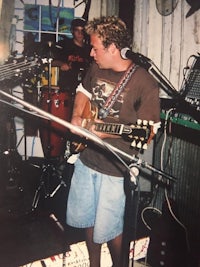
column 130, row 221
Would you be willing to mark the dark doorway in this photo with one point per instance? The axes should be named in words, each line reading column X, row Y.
column 126, row 12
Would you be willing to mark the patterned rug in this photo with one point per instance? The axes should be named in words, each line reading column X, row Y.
column 78, row 256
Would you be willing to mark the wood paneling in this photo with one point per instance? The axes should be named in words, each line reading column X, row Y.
column 6, row 14
column 167, row 40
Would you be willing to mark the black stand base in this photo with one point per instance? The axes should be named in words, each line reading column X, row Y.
column 51, row 180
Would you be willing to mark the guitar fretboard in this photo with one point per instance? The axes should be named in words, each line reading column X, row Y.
column 138, row 133
column 112, row 128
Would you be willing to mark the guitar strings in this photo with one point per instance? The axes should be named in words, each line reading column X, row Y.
column 6, row 71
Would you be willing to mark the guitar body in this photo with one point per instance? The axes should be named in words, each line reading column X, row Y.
column 90, row 112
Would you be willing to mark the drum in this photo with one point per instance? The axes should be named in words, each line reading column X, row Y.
column 52, row 134
column 54, row 76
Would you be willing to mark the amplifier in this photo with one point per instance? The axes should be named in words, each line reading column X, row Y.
column 182, row 126
column 179, row 114
column 191, row 86
column 181, row 119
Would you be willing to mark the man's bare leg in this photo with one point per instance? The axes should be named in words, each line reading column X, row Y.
column 115, row 247
column 94, row 249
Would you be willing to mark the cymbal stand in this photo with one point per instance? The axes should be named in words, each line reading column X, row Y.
column 49, row 102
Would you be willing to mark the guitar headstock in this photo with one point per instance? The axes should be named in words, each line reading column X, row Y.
column 142, row 134
column 19, row 69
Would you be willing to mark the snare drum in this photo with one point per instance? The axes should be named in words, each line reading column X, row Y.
column 52, row 134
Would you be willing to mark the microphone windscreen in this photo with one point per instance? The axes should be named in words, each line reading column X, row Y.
column 124, row 51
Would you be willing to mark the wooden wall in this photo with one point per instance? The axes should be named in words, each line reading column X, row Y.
column 167, row 40
column 6, row 15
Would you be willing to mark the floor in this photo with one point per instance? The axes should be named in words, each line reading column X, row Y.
column 28, row 230
column 33, row 196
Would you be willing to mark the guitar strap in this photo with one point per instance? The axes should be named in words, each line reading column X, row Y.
column 104, row 110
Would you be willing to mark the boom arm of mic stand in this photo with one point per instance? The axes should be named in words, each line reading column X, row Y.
column 144, row 164
column 149, row 65
column 86, row 134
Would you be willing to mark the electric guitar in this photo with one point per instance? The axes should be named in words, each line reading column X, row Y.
column 139, row 134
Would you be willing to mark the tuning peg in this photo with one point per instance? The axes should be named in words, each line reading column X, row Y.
column 133, row 144
column 145, row 146
column 139, row 145
column 145, row 122
column 151, row 122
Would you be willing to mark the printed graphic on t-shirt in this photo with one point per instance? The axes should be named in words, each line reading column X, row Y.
column 101, row 91
column 75, row 58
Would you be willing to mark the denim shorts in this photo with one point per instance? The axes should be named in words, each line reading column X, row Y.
column 96, row 200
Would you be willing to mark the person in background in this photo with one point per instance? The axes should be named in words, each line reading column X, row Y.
column 96, row 200
column 73, row 58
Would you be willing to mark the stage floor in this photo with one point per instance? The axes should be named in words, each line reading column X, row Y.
column 28, row 234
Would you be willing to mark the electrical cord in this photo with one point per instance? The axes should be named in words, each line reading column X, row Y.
column 165, row 191
column 159, row 178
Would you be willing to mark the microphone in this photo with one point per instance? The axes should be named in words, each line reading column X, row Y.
column 137, row 58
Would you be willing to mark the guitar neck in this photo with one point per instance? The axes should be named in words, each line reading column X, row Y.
column 113, row 128
column 139, row 133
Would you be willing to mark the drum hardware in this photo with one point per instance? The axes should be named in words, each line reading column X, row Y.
column 47, row 147
column 54, row 76
column 52, row 172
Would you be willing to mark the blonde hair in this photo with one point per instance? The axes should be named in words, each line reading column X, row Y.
column 110, row 30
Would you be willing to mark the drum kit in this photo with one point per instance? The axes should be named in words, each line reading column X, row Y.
column 53, row 136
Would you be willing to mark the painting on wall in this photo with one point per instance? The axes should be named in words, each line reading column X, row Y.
column 48, row 18
column 43, row 24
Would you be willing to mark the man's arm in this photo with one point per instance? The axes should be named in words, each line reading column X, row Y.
column 62, row 65
column 79, row 105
